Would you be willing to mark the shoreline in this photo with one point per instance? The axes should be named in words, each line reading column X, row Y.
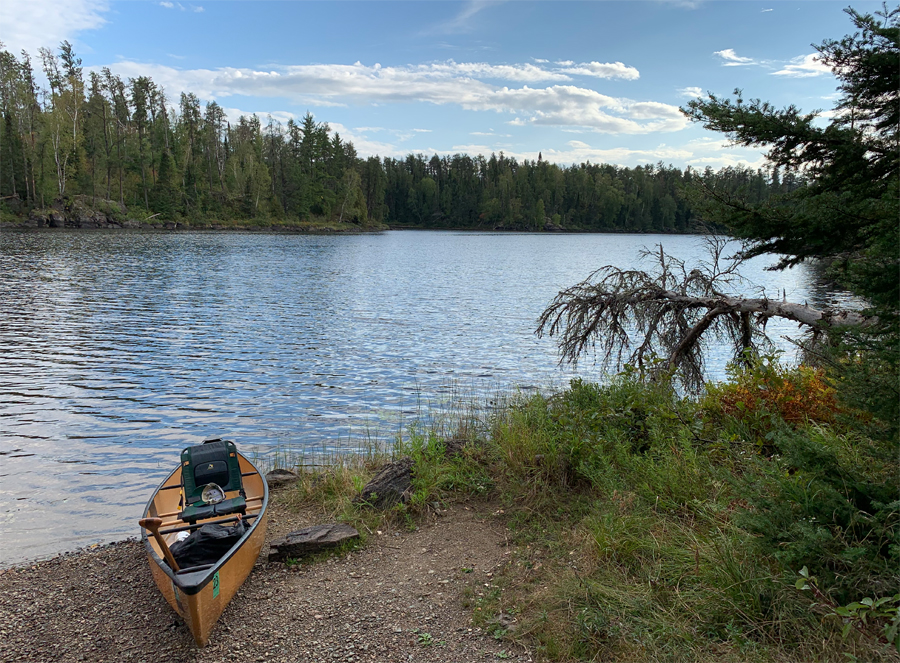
column 85, row 549
column 595, row 523
column 399, row 597
column 85, row 213
column 173, row 226
column 314, row 229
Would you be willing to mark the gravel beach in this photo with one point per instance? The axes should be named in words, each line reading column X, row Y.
column 399, row 598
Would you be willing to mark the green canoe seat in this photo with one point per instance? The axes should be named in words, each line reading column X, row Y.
column 214, row 461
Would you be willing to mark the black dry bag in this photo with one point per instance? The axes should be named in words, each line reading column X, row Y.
column 207, row 544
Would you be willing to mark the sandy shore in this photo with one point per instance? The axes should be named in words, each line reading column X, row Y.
column 400, row 598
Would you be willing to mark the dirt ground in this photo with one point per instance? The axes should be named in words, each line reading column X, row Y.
column 402, row 597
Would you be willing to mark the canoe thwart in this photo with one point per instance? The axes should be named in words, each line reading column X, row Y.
column 189, row 528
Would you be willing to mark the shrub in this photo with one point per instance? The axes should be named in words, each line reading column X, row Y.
column 830, row 502
column 765, row 389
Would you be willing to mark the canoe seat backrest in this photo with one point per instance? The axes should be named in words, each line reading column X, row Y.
column 214, row 461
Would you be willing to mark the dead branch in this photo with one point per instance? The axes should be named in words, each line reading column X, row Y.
column 668, row 315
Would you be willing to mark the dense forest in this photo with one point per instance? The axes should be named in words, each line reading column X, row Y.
column 96, row 137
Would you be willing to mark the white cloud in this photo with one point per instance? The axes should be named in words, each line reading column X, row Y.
column 576, row 151
column 540, row 60
column 727, row 160
column 173, row 5
column 698, row 153
column 448, row 83
column 31, row 24
column 365, row 147
column 804, row 66
column 604, row 70
column 529, row 73
column 701, row 152
column 732, row 59
column 718, row 153
column 766, row 10
column 471, row 150
column 567, row 105
column 524, row 73
column 279, row 116
column 692, row 91
column 565, row 63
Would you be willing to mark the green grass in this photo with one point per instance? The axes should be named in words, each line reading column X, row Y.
column 652, row 527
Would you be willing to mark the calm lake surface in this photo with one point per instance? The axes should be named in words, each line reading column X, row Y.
column 117, row 349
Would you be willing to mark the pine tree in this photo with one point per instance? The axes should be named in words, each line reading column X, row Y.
column 845, row 210
column 848, row 211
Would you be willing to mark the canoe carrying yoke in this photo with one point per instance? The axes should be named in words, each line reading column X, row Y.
column 214, row 461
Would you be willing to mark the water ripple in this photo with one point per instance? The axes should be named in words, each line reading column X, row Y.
column 119, row 348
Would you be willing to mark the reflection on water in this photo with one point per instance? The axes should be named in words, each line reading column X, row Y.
column 119, row 348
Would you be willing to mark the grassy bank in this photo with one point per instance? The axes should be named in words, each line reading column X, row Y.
column 653, row 527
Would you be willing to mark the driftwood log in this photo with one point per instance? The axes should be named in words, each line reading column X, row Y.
column 281, row 477
column 391, row 485
column 310, row 540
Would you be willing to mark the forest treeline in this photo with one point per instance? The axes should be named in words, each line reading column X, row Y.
column 99, row 137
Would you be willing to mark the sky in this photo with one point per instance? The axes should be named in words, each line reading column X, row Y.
column 597, row 81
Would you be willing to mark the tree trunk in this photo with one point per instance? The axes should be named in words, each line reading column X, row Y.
column 119, row 157
column 392, row 484
column 143, row 175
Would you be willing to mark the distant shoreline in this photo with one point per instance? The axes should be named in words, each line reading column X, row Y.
column 86, row 213
column 311, row 228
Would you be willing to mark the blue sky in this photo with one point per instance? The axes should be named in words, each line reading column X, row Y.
column 576, row 81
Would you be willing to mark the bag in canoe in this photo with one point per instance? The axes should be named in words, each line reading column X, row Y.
column 206, row 545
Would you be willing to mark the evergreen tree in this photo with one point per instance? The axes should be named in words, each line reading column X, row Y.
column 846, row 210
column 849, row 209
column 164, row 196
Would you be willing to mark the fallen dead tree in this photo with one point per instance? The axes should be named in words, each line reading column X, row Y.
column 660, row 321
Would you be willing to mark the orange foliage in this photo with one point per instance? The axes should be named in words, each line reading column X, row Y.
column 798, row 396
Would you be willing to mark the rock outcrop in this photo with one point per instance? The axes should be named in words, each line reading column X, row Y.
column 82, row 212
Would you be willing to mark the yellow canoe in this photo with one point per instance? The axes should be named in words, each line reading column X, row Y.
column 200, row 593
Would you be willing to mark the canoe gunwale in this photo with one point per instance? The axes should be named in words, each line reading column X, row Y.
column 189, row 582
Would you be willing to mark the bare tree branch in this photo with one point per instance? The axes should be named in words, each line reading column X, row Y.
column 639, row 317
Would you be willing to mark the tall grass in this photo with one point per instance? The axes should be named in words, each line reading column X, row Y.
column 653, row 527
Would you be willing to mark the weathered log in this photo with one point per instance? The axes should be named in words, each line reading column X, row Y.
column 280, row 477
column 310, row 540
column 391, row 485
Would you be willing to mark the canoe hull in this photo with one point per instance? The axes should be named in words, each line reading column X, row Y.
column 201, row 611
column 200, row 598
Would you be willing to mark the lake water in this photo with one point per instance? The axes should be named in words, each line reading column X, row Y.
column 117, row 349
